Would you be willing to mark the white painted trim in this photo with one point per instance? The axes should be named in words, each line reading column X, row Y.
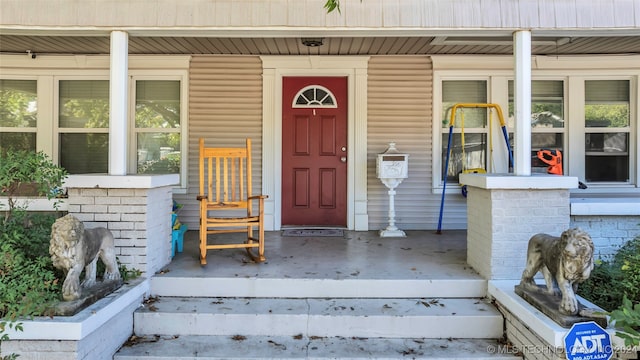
column 81, row 325
column 35, row 204
column 121, row 181
column 538, row 62
column 274, row 69
column 275, row 31
column 142, row 62
column 508, row 181
column 605, row 206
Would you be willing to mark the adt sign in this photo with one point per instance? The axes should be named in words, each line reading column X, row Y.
column 588, row 341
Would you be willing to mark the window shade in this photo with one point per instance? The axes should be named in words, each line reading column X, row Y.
column 606, row 90
column 157, row 90
column 464, row 91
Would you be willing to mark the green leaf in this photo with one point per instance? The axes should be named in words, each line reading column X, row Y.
column 332, row 5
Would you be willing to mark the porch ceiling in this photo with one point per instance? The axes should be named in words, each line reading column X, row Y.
column 381, row 45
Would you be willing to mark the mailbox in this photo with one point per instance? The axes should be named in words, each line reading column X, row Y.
column 392, row 167
column 392, row 164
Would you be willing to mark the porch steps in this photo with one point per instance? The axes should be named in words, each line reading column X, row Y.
column 198, row 347
column 369, row 318
column 349, row 327
column 290, row 286
column 361, row 297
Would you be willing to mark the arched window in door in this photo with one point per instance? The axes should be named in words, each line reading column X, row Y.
column 314, row 96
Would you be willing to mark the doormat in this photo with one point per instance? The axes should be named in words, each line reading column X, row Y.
column 313, row 232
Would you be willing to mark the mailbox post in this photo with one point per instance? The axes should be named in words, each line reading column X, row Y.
column 391, row 168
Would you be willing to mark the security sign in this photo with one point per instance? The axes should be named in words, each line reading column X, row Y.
column 587, row 341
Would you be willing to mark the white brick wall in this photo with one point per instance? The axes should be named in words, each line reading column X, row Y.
column 529, row 344
column 139, row 219
column 608, row 233
column 501, row 222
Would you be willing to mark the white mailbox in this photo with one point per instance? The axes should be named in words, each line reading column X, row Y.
column 392, row 164
column 391, row 168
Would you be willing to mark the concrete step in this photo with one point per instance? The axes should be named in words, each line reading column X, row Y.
column 302, row 347
column 371, row 317
column 471, row 286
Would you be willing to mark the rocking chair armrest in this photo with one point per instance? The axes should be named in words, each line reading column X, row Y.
column 201, row 197
column 260, row 197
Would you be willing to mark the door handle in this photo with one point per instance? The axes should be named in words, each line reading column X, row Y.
column 343, row 159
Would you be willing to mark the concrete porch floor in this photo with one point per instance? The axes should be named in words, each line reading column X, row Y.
column 422, row 255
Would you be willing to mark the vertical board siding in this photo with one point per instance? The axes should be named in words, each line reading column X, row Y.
column 410, row 14
column 225, row 107
column 400, row 110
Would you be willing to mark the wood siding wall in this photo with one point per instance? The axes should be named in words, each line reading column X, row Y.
column 400, row 110
column 225, row 107
column 243, row 14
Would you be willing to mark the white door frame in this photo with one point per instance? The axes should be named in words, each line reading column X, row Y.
column 274, row 68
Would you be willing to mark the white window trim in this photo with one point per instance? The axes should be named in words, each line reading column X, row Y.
column 574, row 70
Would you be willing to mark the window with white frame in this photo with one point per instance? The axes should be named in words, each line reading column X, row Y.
column 75, row 129
column 470, row 127
column 83, row 126
column 547, row 119
column 607, row 130
column 595, row 128
column 18, row 114
column 157, row 126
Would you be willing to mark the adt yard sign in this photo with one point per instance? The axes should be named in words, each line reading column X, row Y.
column 587, row 341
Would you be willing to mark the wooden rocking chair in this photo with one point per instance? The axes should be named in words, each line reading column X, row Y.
column 226, row 200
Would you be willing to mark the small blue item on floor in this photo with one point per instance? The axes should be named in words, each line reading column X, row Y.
column 177, row 234
column 177, row 239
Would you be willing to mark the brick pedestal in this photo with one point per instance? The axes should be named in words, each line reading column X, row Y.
column 137, row 210
column 505, row 211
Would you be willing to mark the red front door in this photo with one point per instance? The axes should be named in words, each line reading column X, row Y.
column 314, row 151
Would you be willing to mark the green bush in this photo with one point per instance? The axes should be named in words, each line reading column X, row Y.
column 28, row 282
column 627, row 321
column 614, row 285
column 20, row 169
column 613, row 278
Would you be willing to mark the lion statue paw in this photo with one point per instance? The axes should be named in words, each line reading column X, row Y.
column 565, row 261
column 74, row 248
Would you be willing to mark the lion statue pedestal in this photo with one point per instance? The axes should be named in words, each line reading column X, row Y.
column 74, row 248
column 564, row 262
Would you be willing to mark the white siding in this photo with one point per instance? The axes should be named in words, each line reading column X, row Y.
column 225, row 107
column 278, row 14
column 400, row 110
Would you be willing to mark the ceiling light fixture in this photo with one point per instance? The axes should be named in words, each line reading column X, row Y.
column 312, row 42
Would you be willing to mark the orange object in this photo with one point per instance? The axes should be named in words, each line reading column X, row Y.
column 553, row 158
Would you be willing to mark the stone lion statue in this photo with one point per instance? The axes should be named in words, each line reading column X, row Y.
column 565, row 261
column 72, row 248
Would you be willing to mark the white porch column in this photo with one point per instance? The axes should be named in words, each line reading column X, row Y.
column 118, row 95
column 522, row 100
